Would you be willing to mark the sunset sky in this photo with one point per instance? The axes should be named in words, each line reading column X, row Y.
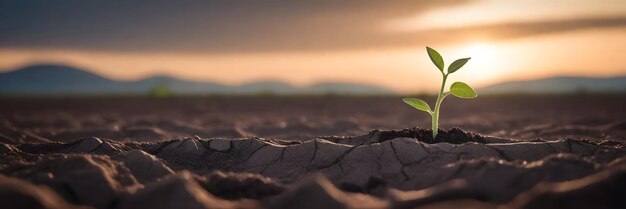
column 306, row 41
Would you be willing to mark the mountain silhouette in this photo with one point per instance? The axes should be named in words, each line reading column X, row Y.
column 66, row 80
column 560, row 85
column 55, row 79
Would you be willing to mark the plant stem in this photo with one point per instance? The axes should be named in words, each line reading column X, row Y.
column 435, row 121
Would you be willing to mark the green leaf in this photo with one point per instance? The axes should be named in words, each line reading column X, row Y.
column 462, row 90
column 436, row 58
column 457, row 64
column 418, row 104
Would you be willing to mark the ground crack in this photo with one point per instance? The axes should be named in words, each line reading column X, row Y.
column 500, row 152
column 163, row 145
column 279, row 158
column 314, row 152
column 395, row 153
column 98, row 147
column 253, row 152
column 338, row 160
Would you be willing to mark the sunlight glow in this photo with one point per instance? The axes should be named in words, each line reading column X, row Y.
column 481, row 54
column 484, row 63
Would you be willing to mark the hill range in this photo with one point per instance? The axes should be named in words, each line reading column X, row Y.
column 66, row 80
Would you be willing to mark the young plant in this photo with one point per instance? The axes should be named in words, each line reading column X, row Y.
column 458, row 89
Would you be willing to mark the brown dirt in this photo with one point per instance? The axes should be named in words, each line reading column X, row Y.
column 300, row 118
column 316, row 152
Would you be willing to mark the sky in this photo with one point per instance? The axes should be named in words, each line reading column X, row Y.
column 302, row 42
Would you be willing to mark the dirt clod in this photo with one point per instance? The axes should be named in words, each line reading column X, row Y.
column 452, row 136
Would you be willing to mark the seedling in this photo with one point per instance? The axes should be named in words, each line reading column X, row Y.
column 458, row 89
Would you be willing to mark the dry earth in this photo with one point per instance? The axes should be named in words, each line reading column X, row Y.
column 312, row 152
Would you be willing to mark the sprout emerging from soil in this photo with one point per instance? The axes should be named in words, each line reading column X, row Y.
column 458, row 89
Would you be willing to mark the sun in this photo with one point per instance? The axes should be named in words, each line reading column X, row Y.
column 482, row 54
column 484, row 63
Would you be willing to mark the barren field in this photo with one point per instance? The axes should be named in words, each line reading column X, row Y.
column 312, row 152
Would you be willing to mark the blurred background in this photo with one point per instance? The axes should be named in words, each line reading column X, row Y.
column 548, row 69
column 311, row 47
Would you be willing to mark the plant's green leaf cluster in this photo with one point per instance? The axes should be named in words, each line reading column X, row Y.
column 458, row 89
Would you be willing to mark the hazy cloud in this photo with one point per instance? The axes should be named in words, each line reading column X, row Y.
column 232, row 26
column 516, row 29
